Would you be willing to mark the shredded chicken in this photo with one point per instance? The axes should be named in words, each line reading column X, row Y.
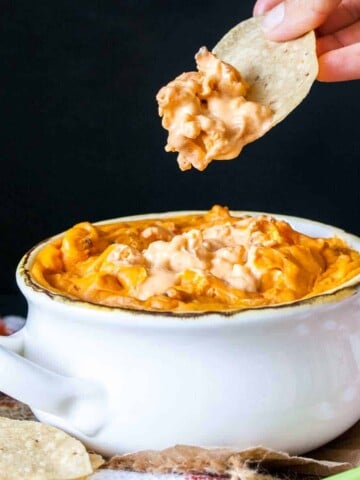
column 207, row 114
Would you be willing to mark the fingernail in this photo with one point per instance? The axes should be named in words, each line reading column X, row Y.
column 274, row 17
column 257, row 11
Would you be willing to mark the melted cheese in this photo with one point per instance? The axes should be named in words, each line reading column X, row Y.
column 193, row 263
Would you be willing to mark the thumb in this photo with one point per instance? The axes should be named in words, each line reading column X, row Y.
column 292, row 18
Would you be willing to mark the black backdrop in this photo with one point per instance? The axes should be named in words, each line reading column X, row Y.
column 81, row 139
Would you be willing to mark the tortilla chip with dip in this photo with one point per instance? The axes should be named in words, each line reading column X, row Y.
column 241, row 90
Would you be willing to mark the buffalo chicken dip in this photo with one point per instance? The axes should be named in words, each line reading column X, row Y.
column 212, row 261
column 207, row 114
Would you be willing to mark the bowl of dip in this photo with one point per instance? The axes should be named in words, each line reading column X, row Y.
column 167, row 364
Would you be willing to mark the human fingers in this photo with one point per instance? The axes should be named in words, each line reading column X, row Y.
column 340, row 64
column 341, row 38
column 345, row 14
column 292, row 18
column 262, row 6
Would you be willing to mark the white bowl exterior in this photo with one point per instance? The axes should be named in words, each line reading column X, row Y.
column 287, row 378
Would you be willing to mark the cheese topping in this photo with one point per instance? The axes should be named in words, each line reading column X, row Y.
column 193, row 263
column 207, row 114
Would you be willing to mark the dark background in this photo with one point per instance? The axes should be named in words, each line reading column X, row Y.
column 81, row 138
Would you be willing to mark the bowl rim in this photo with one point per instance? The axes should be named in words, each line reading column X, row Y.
column 340, row 293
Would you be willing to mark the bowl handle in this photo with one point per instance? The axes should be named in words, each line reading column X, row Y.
column 81, row 403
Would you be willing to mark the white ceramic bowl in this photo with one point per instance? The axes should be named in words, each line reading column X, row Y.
column 286, row 377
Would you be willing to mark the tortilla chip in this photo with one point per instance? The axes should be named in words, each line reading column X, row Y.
column 34, row 451
column 96, row 461
column 280, row 74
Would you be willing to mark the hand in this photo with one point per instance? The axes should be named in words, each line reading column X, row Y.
column 337, row 25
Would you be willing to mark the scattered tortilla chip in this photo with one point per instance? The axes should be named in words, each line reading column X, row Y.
column 280, row 74
column 96, row 461
column 34, row 451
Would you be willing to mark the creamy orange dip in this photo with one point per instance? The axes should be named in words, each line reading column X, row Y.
column 207, row 114
column 193, row 263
